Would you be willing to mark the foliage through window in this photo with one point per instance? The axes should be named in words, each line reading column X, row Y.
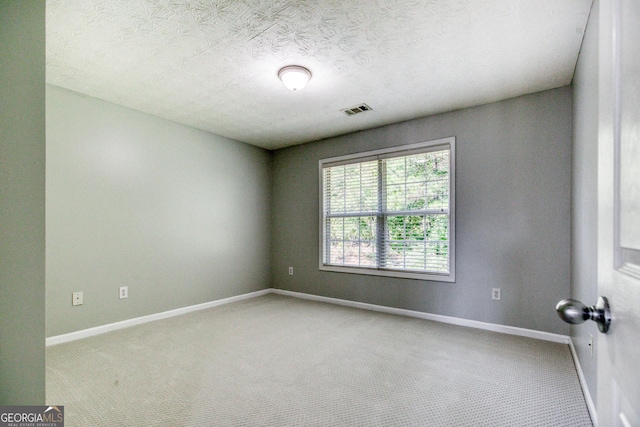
column 390, row 212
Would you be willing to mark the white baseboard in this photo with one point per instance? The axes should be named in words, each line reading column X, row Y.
column 73, row 336
column 583, row 383
column 85, row 333
column 512, row 330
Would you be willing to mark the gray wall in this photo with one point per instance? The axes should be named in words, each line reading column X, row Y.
column 22, row 202
column 178, row 215
column 584, row 214
column 513, row 182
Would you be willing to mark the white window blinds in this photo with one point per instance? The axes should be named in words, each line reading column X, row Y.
column 389, row 211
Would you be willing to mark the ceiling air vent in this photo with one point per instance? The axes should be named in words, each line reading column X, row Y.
column 352, row 111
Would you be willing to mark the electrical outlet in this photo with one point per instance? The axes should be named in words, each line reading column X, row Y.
column 290, row 271
column 77, row 298
column 124, row 292
column 495, row 294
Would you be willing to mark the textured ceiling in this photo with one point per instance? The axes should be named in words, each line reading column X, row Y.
column 213, row 64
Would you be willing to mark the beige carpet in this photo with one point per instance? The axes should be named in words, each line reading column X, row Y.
column 281, row 361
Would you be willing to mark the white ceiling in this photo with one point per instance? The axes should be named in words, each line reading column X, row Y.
column 213, row 64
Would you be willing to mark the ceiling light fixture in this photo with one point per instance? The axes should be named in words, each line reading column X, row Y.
column 294, row 77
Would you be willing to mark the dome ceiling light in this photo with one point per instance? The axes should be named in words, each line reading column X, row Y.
column 294, row 77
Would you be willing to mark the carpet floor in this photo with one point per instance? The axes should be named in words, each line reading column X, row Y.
column 281, row 361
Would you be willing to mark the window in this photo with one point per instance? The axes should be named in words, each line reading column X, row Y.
column 390, row 212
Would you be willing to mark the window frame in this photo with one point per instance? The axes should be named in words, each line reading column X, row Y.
column 397, row 151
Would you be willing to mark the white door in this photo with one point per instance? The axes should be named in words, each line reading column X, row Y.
column 618, row 402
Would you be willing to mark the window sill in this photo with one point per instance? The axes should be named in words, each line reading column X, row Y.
column 433, row 277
